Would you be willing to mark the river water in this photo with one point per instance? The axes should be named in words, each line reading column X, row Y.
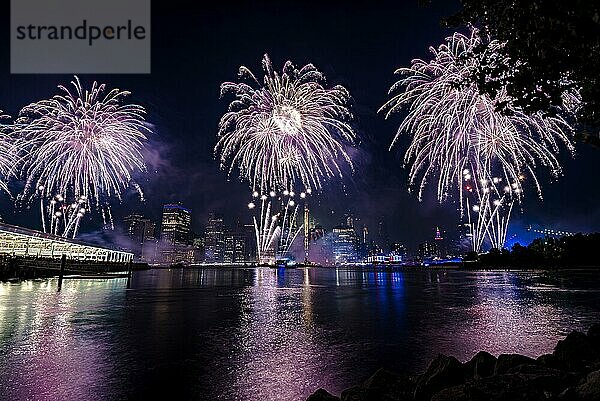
column 266, row 334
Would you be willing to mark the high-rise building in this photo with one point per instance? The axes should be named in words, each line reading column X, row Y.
column 441, row 245
column 234, row 247
column 150, row 244
column 175, row 234
column 438, row 234
column 344, row 240
column 398, row 249
column 427, row 250
column 198, row 245
column 306, row 230
column 214, row 239
column 176, row 227
column 140, row 232
column 383, row 240
column 134, row 226
column 250, row 238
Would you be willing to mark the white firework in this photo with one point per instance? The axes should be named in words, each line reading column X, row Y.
column 287, row 130
column 81, row 144
column 464, row 144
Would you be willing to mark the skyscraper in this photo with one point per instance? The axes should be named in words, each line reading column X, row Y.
column 214, row 246
column 175, row 234
column 306, row 230
column 383, row 240
column 344, row 240
column 250, row 238
column 398, row 249
column 176, row 227
column 140, row 231
column 234, row 247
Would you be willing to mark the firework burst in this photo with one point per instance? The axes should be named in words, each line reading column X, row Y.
column 81, row 144
column 8, row 153
column 463, row 144
column 290, row 129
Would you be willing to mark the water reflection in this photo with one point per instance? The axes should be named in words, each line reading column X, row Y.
column 269, row 334
column 276, row 342
column 45, row 355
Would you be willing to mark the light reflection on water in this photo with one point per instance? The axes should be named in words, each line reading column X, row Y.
column 265, row 334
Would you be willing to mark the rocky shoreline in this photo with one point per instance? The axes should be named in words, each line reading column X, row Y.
column 570, row 373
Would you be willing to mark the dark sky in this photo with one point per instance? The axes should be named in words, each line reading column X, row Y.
column 358, row 45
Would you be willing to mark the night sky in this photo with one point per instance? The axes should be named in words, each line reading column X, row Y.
column 356, row 45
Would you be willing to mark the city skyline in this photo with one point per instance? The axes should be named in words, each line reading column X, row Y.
column 225, row 241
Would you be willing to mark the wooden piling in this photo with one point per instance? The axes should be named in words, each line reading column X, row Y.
column 63, row 262
column 129, row 274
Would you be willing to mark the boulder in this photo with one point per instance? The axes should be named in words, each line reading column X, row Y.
column 506, row 387
column 506, row 362
column 567, row 395
column 543, row 378
column 443, row 372
column 456, row 393
column 594, row 333
column 590, row 389
column 357, row 393
column 481, row 365
column 594, row 338
column 547, row 360
column 574, row 351
column 382, row 386
column 389, row 386
column 322, row 395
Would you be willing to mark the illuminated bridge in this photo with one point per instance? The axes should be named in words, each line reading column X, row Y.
column 23, row 242
column 548, row 232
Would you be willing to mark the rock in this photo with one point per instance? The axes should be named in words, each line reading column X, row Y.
column 383, row 378
column 389, row 386
column 543, row 378
column 506, row 387
column 382, row 386
column 547, row 360
column 590, row 389
column 322, row 395
column 456, row 393
column 567, row 395
column 506, row 362
column 481, row 365
column 594, row 333
column 357, row 393
column 574, row 351
column 443, row 372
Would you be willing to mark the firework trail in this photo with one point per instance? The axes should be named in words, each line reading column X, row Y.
column 288, row 130
column 276, row 228
column 81, row 145
column 464, row 144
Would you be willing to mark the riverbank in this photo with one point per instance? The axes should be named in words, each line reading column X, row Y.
column 570, row 373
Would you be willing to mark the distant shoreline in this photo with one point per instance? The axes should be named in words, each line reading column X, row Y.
column 382, row 267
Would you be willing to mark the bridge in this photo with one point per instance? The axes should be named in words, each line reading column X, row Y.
column 27, row 243
column 548, row 232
